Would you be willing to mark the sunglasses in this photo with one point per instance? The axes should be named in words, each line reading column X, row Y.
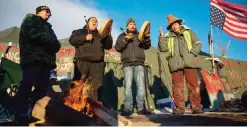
column 48, row 11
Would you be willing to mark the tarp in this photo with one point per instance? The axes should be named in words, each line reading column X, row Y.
column 12, row 73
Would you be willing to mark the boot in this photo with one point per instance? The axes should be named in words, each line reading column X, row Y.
column 178, row 111
column 126, row 112
column 197, row 111
column 144, row 112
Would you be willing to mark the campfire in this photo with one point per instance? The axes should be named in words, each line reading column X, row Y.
column 77, row 95
column 80, row 97
column 79, row 106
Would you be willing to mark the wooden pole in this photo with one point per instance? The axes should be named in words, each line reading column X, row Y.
column 212, row 48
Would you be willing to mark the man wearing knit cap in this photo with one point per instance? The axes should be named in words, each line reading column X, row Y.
column 38, row 46
column 89, row 56
column 133, row 57
column 184, row 47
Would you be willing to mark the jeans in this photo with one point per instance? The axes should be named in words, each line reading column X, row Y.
column 136, row 73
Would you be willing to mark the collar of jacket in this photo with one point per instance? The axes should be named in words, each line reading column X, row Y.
column 36, row 18
column 134, row 32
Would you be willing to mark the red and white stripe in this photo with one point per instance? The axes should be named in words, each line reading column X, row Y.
column 236, row 18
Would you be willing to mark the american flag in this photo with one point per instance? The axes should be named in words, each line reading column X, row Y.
column 231, row 18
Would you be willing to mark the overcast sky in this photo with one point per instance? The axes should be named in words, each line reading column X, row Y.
column 67, row 15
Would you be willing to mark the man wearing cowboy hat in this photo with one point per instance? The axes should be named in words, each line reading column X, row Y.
column 133, row 57
column 183, row 46
column 38, row 46
column 89, row 56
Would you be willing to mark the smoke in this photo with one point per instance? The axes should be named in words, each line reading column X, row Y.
column 67, row 15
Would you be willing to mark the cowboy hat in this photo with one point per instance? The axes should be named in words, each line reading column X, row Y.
column 171, row 19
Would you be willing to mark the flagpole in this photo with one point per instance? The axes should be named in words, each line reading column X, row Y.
column 212, row 48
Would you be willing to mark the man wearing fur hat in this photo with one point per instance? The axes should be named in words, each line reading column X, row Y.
column 183, row 46
column 38, row 46
column 133, row 57
column 89, row 56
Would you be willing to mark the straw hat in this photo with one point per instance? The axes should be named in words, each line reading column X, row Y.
column 171, row 19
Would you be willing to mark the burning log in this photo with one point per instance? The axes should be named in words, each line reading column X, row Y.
column 79, row 97
column 108, row 116
column 50, row 112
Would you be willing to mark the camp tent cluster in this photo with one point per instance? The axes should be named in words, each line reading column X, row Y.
column 231, row 73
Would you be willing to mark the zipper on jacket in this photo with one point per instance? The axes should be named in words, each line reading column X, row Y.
column 179, row 46
column 133, row 51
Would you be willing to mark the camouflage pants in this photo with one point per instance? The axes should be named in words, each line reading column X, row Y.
column 191, row 77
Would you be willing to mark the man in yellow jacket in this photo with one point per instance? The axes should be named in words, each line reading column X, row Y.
column 184, row 47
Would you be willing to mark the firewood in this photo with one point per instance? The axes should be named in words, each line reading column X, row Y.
column 55, row 113
column 108, row 116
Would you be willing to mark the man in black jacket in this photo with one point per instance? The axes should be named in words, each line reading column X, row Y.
column 89, row 56
column 133, row 57
column 38, row 47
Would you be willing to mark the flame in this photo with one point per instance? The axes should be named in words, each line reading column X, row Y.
column 76, row 97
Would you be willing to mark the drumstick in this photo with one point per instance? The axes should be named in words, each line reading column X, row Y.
column 86, row 21
column 123, row 30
